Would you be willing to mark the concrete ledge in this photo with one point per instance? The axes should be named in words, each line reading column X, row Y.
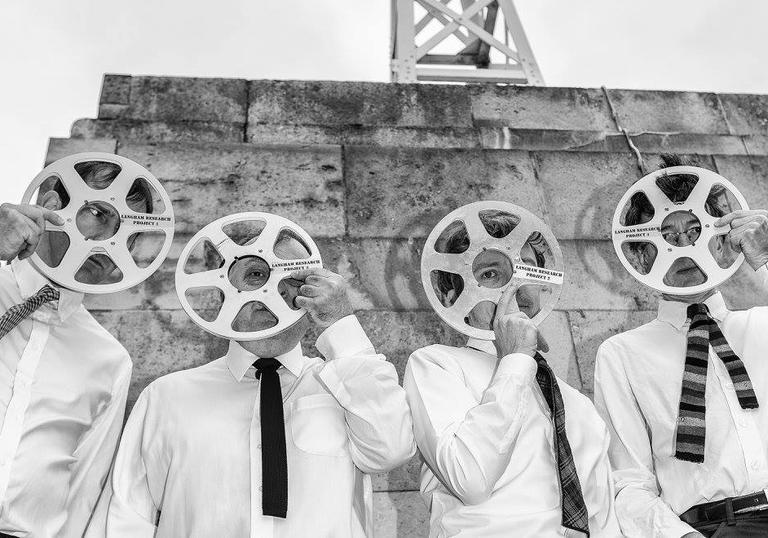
column 151, row 132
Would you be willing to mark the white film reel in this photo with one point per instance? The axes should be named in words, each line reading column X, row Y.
column 233, row 298
column 114, row 196
column 668, row 253
column 480, row 241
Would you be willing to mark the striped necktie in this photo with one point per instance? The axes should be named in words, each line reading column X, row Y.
column 18, row 313
column 691, row 424
column 574, row 509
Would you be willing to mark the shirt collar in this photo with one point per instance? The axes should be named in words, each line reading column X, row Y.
column 676, row 313
column 486, row 346
column 30, row 280
column 239, row 360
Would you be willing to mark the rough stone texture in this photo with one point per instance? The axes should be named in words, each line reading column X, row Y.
column 657, row 111
column 394, row 192
column 358, row 103
column 302, row 182
column 368, row 169
column 175, row 99
column 530, row 107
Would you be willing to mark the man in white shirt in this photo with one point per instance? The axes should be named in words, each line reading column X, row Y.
column 201, row 455
column 493, row 448
column 661, row 400
column 63, row 378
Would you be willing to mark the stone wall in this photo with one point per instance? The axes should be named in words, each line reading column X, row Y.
column 369, row 168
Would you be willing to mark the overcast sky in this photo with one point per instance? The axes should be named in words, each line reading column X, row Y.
column 53, row 53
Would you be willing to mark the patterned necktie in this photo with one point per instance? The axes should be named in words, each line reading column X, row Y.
column 574, row 510
column 18, row 313
column 274, row 465
column 691, row 424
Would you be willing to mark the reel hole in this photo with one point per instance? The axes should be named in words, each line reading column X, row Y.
column 248, row 273
column 721, row 201
column 454, row 239
column 99, row 269
column 498, row 223
column 637, row 210
column 206, row 302
column 722, row 251
column 144, row 198
column 641, row 255
column 289, row 290
column 244, row 232
column 677, row 187
column 203, row 257
column 447, row 286
column 52, row 247
column 537, row 251
column 51, row 194
column 684, row 273
column 681, row 228
column 289, row 246
column 145, row 247
column 97, row 220
column 97, row 175
column 253, row 316
column 492, row 269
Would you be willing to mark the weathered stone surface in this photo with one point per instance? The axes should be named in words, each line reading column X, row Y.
column 207, row 181
column 749, row 175
column 746, row 113
column 176, row 99
column 701, row 144
column 400, row 514
column 591, row 328
column 393, row 192
column 583, row 188
column 61, row 147
column 538, row 107
column 669, row 112
column 116, row 90
column 152, row 132
column 358, row 103
column 404, row 478
column 364, row 135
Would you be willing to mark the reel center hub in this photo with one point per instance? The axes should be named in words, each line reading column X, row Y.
column 97, row 220
column 248, row 273
column 492, row 268
column 681, row 228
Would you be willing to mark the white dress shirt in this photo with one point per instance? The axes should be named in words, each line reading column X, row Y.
column 486, row 435
column 189, row 462
column 638, row 379
column 63, row 385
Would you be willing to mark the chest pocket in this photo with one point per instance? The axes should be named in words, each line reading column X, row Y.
column 318, row 425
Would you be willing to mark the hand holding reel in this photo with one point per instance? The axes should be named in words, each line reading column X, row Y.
column 667, row 253
column 480, row 241
column 234, row 299
column 115, row 247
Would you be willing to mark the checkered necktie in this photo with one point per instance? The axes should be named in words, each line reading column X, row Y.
column 574, row 510
column 18, row 313
column 691, row 424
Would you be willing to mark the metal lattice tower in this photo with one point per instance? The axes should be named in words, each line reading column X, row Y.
column 460, row 41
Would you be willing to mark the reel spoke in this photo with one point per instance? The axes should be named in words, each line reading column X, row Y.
column 203, row 279
column 268, row 236
column 697, row 199
column 475, row 229
column 233, row 302
column 452, row 263
column 464, row 304
column 123, row 259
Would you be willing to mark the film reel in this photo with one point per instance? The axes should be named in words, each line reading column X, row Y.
column 436, row 259
column 111, row 251
column 252, row 244
column 697, row 250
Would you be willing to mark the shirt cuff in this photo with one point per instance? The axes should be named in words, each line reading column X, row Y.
column 762, row 274
column 344, row 338
column 517, row 365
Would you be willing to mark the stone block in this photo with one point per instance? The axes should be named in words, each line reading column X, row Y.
column 744, row 289
column 669, row 112
column 115, row 90
column 538, row 107
column 207, row 181
column 400, row 514
column 153, row 132
column 591, row 328
column 404, row 478
column 358, row 103
column 394, row 192
column 177, row 99
column 746, row 113
column 749, row 175
column 62, row 147
column 364, row 135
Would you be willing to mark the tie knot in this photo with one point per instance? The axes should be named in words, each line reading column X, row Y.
column 266, row 364
column 48, row 293
column 697, row 309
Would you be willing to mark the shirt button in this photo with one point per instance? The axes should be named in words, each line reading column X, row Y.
column 258, row 446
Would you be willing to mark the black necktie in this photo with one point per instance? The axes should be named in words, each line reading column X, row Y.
column 574, row 511
column 19, row 312
column 274, row 465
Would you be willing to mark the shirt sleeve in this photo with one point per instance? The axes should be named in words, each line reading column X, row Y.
column 762, row 274
column 602, row 519
column 640, row 510
column 366, row 386
column 134, row 506
column 467, row 444
column 93, row 458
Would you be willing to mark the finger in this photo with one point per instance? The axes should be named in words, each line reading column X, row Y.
column 737, row 223
column 738, row 214
column 542, row 345
column 309, row 291
column 303, row 302
column 38, row 214
column 508, row 301
column 302, row 274
column 29, row 239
